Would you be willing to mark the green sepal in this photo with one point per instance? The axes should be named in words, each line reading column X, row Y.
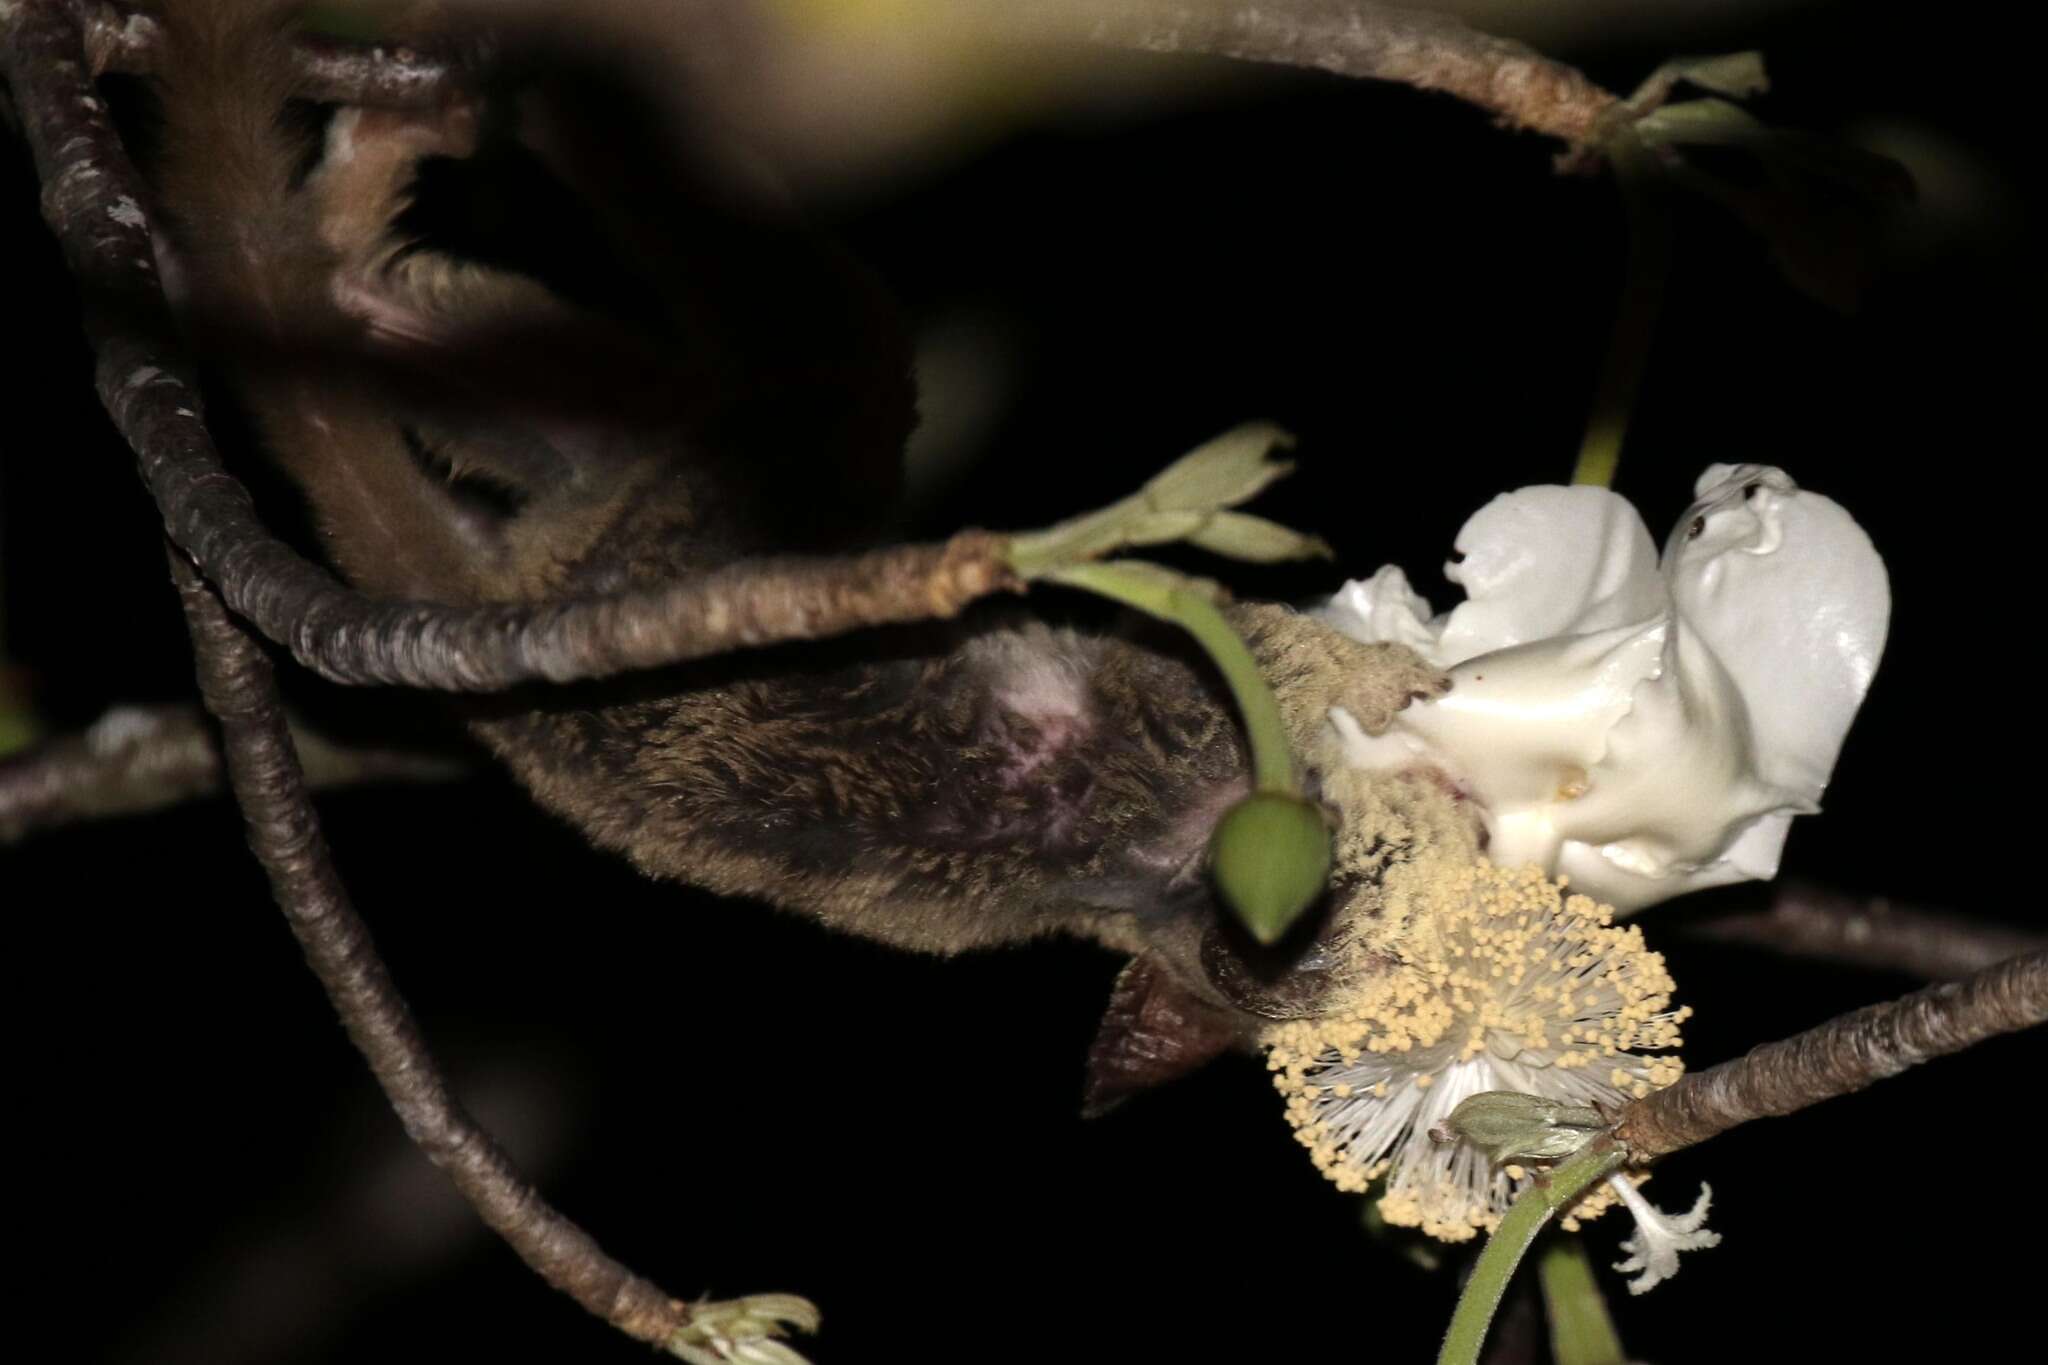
column 1513, row 1127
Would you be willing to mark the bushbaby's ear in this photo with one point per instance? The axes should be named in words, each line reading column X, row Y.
column 1155, row 1030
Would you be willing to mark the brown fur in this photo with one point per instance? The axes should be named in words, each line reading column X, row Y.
column 1312, row 668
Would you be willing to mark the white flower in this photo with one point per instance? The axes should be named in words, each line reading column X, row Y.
column 1660, row 1236
column 1496, row 981
column 1645, row 729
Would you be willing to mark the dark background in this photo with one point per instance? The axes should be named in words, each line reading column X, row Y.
column 735, row 1101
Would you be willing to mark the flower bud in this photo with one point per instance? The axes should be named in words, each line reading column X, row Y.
column 1270, row 856
column 1512, row 1127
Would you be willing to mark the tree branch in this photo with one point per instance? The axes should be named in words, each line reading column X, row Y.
column 235, row 680
column 1429, row 51
column 1355, row 38
column 1803, row 920
column 137, row 759
column 1840, row 1057
column 92, row 199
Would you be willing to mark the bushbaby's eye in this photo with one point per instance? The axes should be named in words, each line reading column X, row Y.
column 1699, row 524
column 477, row 477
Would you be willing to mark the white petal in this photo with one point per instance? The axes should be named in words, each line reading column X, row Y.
column 1547, row 561
column 1754, row 854
column 1522, row 728
column 1678, row 785
column 1660, row 1236
column 1789, row 594
column 1646, row 734
column 1377, row 753
column 1383, row 609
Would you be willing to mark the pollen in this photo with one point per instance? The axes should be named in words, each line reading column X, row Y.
column 1498, row 980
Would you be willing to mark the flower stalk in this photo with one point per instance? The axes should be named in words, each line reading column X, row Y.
column 1511, row 1240
column 1642, row 295
column 1581, row 1332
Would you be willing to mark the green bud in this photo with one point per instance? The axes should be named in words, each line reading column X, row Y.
column 1239, row 535
column 1739, row 74
column 1186, row 501
column 1222, row 472
column 1271, row 858
column 1512, row 1127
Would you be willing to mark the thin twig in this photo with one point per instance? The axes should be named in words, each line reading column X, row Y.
column 236, row 682
column 1803, row 920
column 1840, row 1057
column 1521, row 86
column 92, row 200
column 144, row 758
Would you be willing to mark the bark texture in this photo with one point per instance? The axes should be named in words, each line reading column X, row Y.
column 130, row 41
column 1840, row 1057
column 1517, row 84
